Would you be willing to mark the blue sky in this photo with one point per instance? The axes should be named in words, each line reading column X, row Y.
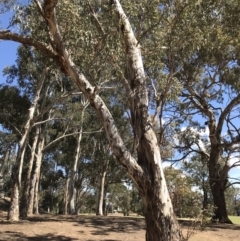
column 7, row 48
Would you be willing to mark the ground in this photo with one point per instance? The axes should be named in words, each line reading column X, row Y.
column 47, row 227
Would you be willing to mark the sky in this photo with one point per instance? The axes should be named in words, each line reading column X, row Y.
column 7, row 48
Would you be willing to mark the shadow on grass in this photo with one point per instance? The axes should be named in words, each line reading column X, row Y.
column 106, row 225
column 104, row 240
column 209, row 226
column 98, row 225
column 13, row 236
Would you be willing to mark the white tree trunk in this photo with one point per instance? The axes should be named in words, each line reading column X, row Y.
column 13, row 214
column 33, row 193
column 101, row 193
column 66, row 196
column 75, row 166
column 73, row 175
column 38, row 171
column 25, row 196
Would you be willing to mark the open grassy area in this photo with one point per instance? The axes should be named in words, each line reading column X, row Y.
column 115, row 227
column 235, row 219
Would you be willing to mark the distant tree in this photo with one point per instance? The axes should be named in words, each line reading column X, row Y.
column 203, row 54
column 197, row 169
column 186, row 201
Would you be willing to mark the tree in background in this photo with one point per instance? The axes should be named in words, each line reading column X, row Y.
column 197, row 169
column 203, row 54
column 186, row 201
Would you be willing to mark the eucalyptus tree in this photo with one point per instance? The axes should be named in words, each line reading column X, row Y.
column 44, row 98
column 108, row 173
column 72, row 209
column 102, row 152
column 202, row 52
column 186, row 202
column 14, row 209
column 7, row 146
column 83, row 53
column 197, row 169
column 31, row 84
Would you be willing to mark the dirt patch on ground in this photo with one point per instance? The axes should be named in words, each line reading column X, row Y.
column 92, row 228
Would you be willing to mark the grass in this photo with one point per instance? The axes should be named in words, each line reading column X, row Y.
column 235, row 219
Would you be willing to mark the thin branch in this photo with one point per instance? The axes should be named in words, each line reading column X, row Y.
column 228, row 108
column 71, row 134
column 45, row 121
column 99, row 25
column 11, row 124
column 59, row 99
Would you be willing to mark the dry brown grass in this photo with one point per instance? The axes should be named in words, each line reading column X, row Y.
column 92, row 228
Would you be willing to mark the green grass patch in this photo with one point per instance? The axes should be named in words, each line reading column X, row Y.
column 235, row 219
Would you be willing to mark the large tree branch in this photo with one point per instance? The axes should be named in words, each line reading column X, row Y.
column 46, row 49
column 201, row 104
column 235, row 101
column 115, row 140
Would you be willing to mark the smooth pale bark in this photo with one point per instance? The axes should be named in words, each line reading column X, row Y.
column 4, row 160
column 161, row 223
column 72, row 208
column 147, row 171
column 73, row 175
column 25, row 195
column 35, row 202
column 101, row 192
column 66, row 197
column 38, row 171
column 33, row 193
column 13, row 214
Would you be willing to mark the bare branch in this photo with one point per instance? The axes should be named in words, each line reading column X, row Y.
column 99, row 25
column 71, row 134
column 224, row 114
column 46, row 49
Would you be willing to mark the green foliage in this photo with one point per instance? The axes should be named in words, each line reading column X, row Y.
column 136, row 204
column 232, row 197
column 197, row 169
column 186, row 201
column 120, row 197
column 14, row 108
